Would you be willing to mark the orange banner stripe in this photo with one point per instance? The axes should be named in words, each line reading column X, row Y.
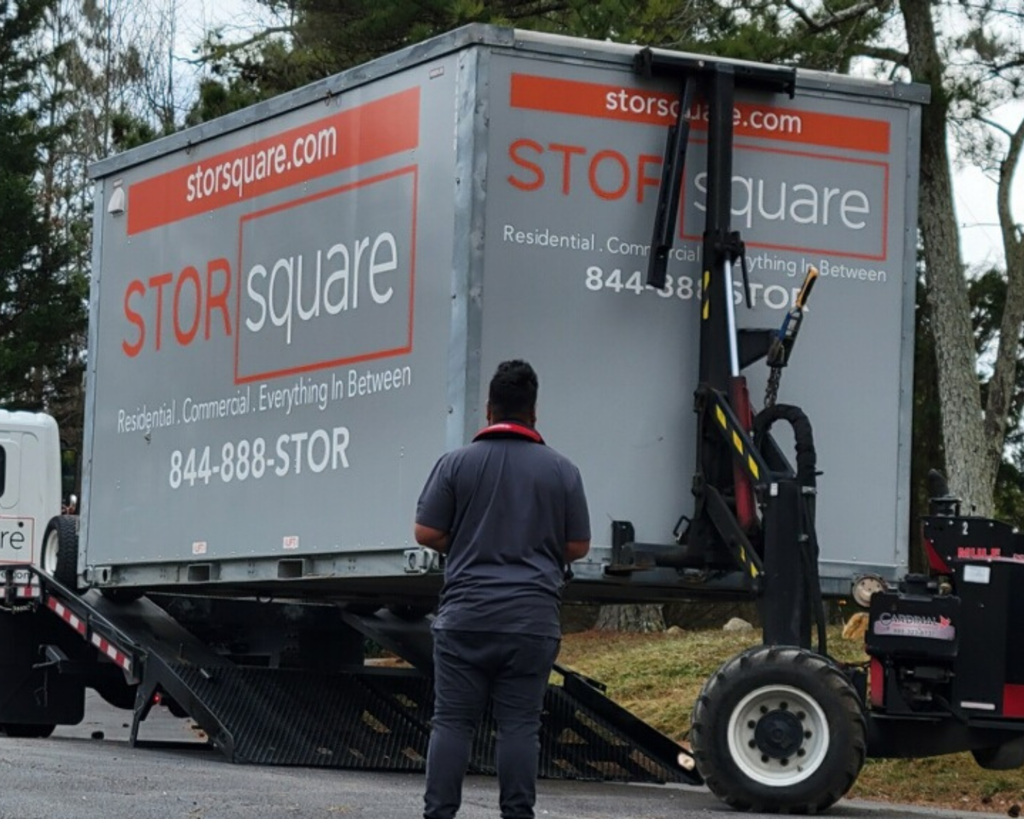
column 585, row 99
column 344, row 140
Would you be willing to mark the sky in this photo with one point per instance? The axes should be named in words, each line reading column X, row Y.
column 198, row 16
column 980, row 235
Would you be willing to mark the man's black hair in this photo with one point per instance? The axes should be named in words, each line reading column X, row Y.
column 513, row 390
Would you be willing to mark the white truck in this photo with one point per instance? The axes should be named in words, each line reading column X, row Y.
column 295, row 309
column 32, row 492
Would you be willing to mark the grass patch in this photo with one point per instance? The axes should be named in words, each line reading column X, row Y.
column 658, row 677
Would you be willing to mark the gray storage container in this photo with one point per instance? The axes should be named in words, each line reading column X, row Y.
column 297, row 308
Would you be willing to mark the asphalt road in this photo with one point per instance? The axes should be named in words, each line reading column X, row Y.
column 91, row 772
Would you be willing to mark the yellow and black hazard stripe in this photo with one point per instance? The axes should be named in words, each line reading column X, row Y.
column 735, row 539
column 706, row 293
column 739, row 441
column 749, row 560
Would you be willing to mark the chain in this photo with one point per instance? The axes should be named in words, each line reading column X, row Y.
column 17, row 609
column 771, row 394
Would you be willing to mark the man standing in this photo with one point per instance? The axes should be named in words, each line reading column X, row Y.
column 510, row 513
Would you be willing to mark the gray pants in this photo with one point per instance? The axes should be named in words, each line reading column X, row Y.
column 471, row 667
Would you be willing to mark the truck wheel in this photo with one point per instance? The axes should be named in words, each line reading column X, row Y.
column 122, row 597
column 60, row 550
column 118, row 694
column 362, row 609
column 410, row 611
column 27, row 730
column 1006, row 757
column 779, row 730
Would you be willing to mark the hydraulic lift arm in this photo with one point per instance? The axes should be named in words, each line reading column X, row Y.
column 737, row 472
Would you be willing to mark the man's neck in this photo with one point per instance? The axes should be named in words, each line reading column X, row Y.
column 512, row 419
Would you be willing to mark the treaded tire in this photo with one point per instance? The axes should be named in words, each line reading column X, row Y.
column 122, row 597
column 60, row 550
column 1006, row 757
column 27, row 730
column 363, row 609
column 779, row 730
column 409, row 611
column 118, row 694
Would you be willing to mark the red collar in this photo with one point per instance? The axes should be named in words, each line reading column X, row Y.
column 509, row 429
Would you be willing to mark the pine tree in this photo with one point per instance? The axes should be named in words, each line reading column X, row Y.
column 42, row 297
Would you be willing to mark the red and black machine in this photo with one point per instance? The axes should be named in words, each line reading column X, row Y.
column 783, row 726
column 946, row 657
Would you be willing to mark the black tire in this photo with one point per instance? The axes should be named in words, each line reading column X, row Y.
column 410, row 611
column 1006, row 757
column 118, row 694
column 27, row 730
column 779, row 730
column 122, row 597
column 363, row 609
column 60, row 550
column 171, row 705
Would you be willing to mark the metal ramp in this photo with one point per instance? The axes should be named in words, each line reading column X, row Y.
column 584, row 734
column 380, row 720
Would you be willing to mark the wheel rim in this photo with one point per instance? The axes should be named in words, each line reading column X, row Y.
column 50, row 552
column 778, row 735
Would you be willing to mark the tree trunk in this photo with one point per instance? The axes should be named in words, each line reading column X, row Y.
column 637, row 617
column 967, row 461
column 1004, row 373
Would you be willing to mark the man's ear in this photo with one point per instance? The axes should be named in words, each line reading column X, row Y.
column 490, row 420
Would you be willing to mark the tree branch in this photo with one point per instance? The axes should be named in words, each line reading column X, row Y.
column 834, row 18
column 1015, row 63
column 893, row 55
column 232, row 48
column 995, row 126
column 519, row 11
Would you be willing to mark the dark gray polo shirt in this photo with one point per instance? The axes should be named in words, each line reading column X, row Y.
column 509, row 506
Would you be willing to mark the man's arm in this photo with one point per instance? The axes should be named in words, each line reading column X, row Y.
column 575, row 549
column 437, row 506
column 577, row 523
column 434, row 538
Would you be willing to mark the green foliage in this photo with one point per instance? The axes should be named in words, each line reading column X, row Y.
column 824, row 38
column 987, row 294
column 42, row 298
column 323, row 37
column 1010, row 494
column 128, row 131
column 327, row 36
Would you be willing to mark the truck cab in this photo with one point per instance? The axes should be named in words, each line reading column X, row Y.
column 30, row 485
